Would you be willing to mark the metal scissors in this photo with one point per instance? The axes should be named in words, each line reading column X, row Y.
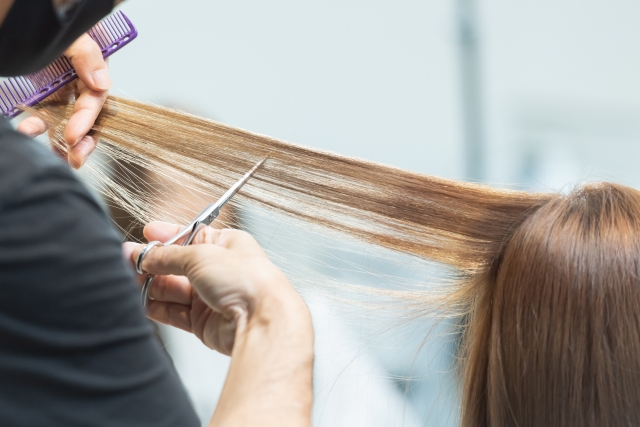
column 205, row 218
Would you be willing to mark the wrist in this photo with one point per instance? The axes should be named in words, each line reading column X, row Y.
column 278, row 307
column 270, row 377
column 284, row 320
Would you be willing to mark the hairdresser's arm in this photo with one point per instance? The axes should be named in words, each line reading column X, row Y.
column 225, row 290
column 93, row 85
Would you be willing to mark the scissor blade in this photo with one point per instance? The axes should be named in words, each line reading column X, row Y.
column 214, row 209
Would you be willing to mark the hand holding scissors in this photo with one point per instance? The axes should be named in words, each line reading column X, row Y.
column 205, row 218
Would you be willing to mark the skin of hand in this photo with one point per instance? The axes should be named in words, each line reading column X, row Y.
column 225, row 290
column 92, row 87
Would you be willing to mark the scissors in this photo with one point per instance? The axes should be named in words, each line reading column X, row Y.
column 205, row 218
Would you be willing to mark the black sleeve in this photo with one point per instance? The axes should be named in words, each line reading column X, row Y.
column 75, row 348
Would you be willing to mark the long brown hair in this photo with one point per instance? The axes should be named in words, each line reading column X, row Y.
column 548, row 284
column 554, row 339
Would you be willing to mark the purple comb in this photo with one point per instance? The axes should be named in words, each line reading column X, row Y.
column 111, row 34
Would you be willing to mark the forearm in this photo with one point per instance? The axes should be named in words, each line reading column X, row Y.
column 270, row 377
column 240, row 304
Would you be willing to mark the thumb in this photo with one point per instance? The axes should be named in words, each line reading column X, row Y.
column 32, row 126
column 86, row 58
column 164, row 260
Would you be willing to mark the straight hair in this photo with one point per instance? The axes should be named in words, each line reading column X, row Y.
column 547, row 284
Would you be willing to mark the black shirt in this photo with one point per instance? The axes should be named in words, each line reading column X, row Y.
column 75, row 348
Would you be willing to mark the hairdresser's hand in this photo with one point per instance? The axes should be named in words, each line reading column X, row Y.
column 93, row 85
column 217, row 287
column 224, row 289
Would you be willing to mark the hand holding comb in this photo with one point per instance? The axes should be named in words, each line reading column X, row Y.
column 111, row 34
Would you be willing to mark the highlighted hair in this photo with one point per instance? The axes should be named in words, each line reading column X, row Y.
column 548, row 285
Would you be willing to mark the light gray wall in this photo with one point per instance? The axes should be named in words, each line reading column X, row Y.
column 373, row 79
column 379, row 80
column 562, row 92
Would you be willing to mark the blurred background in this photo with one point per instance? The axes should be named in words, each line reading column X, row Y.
column 538, row 94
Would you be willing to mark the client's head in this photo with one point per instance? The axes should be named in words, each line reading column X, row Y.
column 555, row 338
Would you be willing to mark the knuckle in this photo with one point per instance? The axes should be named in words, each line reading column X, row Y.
column 86, row 48
column 226, row 237
column 83, row 50
column 191, row 258
column 230, row 236
column 198, row 252
column 162, row 292
column 156, row 258
column 154, row 311
column 209, row 235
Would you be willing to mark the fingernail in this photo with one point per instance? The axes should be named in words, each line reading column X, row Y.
column 75, row 160
column 101, row 79
column 77, row 140
column 81, row 152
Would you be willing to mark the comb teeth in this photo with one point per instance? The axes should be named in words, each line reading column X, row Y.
column 111, row 34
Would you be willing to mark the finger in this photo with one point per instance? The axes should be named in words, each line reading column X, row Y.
column 127, row 251
column 32, row 126
column 94, row 82
column 141, row 278
column 79, row 153
column 85, row 111
column 174, row 289
column 87, row 60
column 173, row 259
column 160, row 231
column 172, row 314
column 163, row 231
column 238, row 241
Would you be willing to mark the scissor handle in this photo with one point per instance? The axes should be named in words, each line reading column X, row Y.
column 190, row 231
column 145, row 289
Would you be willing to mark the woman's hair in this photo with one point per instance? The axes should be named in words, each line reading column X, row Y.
column 547, row 285
column 554, row 336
